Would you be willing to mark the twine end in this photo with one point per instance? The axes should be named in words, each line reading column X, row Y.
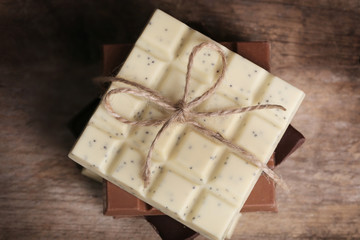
column 146, row 170
column 284, row 186
column 146, row 178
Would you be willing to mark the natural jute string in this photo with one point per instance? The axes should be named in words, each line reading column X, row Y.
column 182, row 113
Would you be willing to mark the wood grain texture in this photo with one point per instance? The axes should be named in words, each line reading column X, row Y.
column 50, row 50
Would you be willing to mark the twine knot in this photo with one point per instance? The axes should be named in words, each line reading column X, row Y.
column 182, row 112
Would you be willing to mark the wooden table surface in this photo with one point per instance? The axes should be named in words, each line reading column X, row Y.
column 50, row 51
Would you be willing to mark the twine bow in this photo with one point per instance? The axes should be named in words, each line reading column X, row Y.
column 182, row 112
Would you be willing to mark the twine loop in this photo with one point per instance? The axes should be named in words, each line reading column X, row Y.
column 181, row 112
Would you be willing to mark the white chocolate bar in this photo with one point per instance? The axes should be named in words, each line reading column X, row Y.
column 194, row 179
column 87, row 173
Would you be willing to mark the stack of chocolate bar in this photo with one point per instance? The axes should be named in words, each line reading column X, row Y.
column 118, row 203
